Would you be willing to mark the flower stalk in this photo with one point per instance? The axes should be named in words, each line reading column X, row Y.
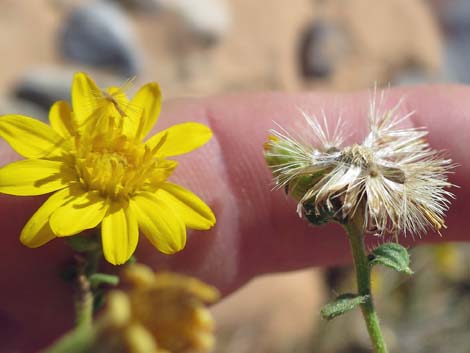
column 389, row 184
column 84, row 302
column 84, row 298
column 362, row 268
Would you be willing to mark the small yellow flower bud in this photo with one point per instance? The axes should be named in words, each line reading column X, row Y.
column 161, row 313
column 118, row 311
column 138, row 340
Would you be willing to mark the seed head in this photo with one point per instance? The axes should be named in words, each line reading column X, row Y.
column 393, row 180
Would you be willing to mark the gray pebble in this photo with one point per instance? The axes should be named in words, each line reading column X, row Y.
column 143, row 6
column 455, row 17
column 209, row 20
column 44, row 86
column 13, row 105
column 99, row 34
column 321, row 46
column 455, row 14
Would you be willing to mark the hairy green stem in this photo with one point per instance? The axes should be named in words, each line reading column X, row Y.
column 84, row 299
column 356, row 240
column 80, row 339
column 75, row 341
column 84, row 303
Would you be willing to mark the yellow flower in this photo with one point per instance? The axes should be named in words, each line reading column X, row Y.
column 171, row 307
column 162, row 312
column 101, row 171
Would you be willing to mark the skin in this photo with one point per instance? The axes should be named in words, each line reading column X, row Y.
column 257, row 229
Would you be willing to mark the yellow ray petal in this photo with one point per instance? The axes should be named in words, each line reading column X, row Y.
column 162, row 171
column 118, row 94
column 34, row 177
column 120, row 233
column 194, row 212
column 37, row 231
column 182, row 138
column 143, row 111
column 86, row 97
column 61, row 119
column 159, row 223
column 30, row 137
column 84, row 211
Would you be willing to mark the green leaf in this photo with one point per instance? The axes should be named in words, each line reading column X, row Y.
column 392, row 255
column 342, row 304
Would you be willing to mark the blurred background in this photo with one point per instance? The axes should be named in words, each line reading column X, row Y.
column 205, row 47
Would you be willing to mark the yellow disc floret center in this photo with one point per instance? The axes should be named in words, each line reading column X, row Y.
column 112, row 163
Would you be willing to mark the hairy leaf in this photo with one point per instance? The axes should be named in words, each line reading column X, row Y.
column 392, row 255
column 342, row 304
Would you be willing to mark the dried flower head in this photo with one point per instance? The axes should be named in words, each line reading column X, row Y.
column 393, row 179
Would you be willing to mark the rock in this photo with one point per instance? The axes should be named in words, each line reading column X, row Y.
column 43, row 87
column 453, row 14
column 455, row 18
column 99, row 34
column 359, row 43
column 209, row 20
column 13, row 105
column 457, row 51
column 322, row 45
column 143, row 6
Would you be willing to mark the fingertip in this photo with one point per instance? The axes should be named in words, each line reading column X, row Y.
column 269, row 232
